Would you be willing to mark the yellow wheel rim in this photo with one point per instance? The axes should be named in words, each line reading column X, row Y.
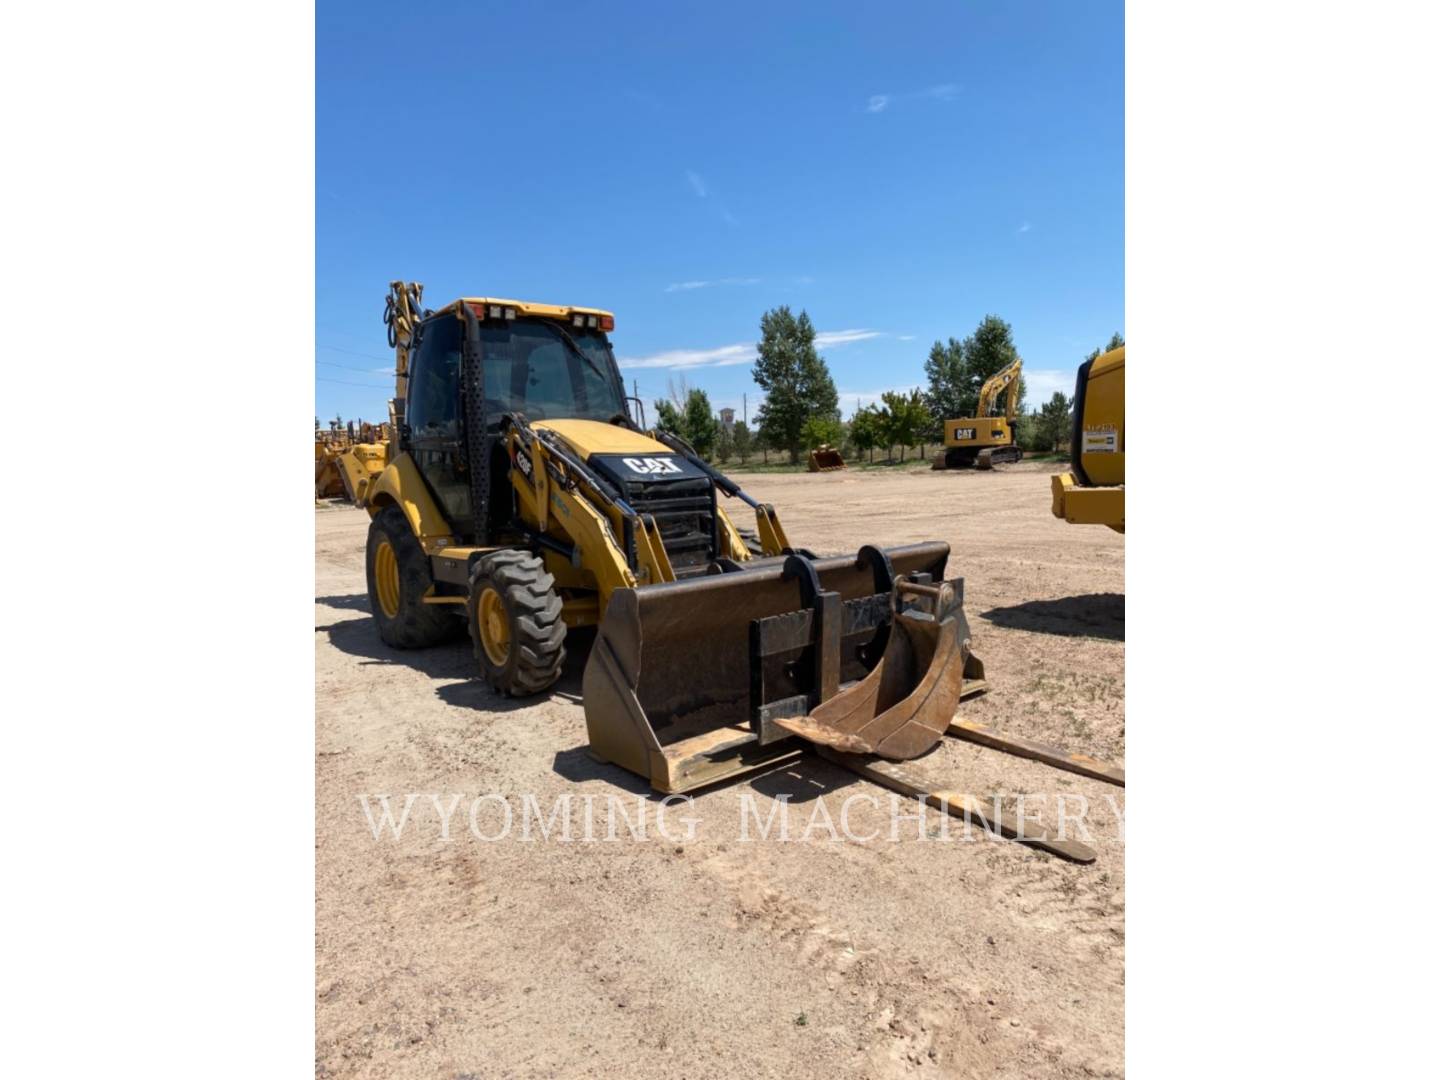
column 387, row 579
column 494, row 627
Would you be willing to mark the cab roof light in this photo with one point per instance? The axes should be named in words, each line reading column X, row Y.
column 592, row 322
column 577, row 320
column 607, row 322
column 495, row 311
column 509, row 312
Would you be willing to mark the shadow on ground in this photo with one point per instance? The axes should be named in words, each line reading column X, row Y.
column 353, row 602
column 451, row 664
column 1098, row 615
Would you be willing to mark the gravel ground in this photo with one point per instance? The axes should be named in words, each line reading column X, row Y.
column 709, row 955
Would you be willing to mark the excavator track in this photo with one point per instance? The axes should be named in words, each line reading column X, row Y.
column 997, row 455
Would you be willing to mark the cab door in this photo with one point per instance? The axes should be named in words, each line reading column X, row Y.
column 434, row 433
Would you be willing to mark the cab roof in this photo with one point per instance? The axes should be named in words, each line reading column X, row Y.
column 527, row 307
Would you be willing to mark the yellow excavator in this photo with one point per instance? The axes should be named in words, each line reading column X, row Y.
column 1092, row 492
column 984, row 440
column 523, row 499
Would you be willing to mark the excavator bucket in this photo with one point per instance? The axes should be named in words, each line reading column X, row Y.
column 698, row 680
column 825, row 459
column 903, row 707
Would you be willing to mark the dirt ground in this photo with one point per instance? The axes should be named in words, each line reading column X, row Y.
column 713, row 956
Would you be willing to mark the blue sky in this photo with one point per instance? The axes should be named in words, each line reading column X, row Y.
column 898, row 171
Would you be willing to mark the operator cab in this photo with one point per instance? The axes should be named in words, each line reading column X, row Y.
column 538, row 360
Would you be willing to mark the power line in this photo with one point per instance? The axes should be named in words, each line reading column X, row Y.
column 351, row 367
column 352, row 352
column 344, row 382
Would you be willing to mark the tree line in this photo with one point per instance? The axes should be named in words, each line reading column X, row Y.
column 801, row 409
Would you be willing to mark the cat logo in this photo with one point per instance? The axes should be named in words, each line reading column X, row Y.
column 652, row 466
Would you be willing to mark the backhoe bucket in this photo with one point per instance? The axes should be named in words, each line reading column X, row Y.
column 902, row 708
column 825, row 459
column 695, row 681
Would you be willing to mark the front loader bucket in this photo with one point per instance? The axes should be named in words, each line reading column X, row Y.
column 825, row 459
column 687, row 681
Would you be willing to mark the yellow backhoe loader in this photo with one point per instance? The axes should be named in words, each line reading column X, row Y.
column 1092, row 492
column 523, row 499
column 984, row 440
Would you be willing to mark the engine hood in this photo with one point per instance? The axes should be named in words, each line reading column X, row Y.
column 588, row 437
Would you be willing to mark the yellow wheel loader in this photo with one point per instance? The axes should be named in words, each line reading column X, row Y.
column 523, row 499
column 1092, row 492
column 985, row 441
column 346, row 461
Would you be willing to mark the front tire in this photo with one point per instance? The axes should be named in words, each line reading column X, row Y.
column 515, row 622
column 397, row 575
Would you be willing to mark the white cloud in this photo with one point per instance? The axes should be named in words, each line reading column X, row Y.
column 1042, row 383
column 828, row 339
column 697, row 183
column 731, row 355
column 686, row 286
column 939, row 92
column 680, row 359
column 906, row 337
column 1025, row 227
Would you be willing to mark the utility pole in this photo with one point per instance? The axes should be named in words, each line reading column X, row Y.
column 745, row 409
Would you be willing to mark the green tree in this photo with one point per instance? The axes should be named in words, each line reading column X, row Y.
column 796, row 382
column 904, row 419
column 867, row 430
column 699, row 426
column 744, row 444
column 1027, row 433
column 1116, row 340
column 989, row 350
column 958, row 369
column 1053, row 423
column 821, row 429
column 724, row 444
column 667, row 418
column 949, row 394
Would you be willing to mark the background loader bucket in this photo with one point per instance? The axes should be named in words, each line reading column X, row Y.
column 671, row 686
column 825, row 458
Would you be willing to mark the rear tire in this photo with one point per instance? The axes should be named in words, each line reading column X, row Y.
column 397, row 576
column 515, row 622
